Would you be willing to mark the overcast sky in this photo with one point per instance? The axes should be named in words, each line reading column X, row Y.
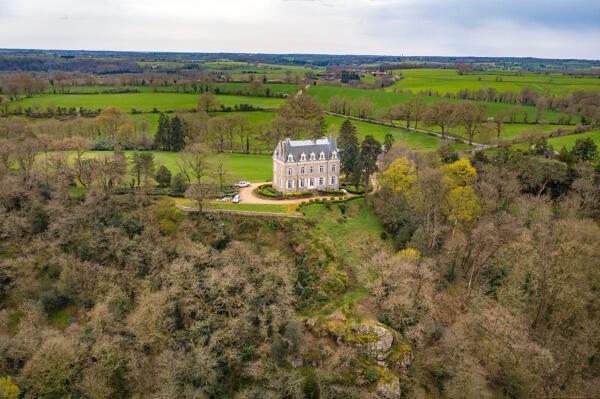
column 536, row 28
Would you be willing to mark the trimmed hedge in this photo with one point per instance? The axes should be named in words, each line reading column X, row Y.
column 299, row 194
column 267, row 190
column 331, row 192
column 327, row 202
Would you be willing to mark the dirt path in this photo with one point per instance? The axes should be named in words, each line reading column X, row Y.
column 248, row 197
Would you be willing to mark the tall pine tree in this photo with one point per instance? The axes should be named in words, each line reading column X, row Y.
column 369, row 151
column 349, row 151
column 162, row 138
column 177, row 135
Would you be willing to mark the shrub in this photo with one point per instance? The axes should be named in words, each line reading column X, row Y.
column 371, row 374
column 52, row 300
column 39, row 218
column 179, row 183
column 163, row 176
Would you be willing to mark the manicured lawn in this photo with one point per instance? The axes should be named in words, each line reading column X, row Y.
column 384, row 99
column 254, row 168
column 140, row 101
column 277, row 208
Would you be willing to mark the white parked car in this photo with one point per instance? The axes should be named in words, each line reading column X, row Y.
column 243, row 184
column 236, row 199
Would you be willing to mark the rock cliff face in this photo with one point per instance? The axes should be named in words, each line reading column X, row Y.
column 378, row 340
column 389, row 390
column 380, row 348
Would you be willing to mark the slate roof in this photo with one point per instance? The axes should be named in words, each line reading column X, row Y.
column 298, row 147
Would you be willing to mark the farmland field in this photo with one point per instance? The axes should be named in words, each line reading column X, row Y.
column 449, row 81
column 384, row 99
column 274, row 87
column 567, row 141
column 513, row 130
column 413, row 140
column 141, row 101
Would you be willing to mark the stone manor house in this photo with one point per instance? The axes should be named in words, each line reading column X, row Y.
column 306, row 165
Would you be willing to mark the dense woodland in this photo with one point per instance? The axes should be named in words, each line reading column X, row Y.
column 471, row 275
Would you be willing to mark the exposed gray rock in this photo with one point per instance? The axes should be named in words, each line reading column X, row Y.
column 389, row 390
column 379, row 342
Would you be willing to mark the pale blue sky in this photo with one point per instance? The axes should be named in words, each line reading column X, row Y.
column 566, row 29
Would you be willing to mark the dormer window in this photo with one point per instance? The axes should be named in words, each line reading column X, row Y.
column 322, row 155
column 303, row 157
column 334, row 155
column 312, row 156
column 290, row 158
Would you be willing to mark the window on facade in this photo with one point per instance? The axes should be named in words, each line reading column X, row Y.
column 303, row 157
column 290, row 158
column 301, row 183
column 332, row 179
column 289, row 171
column 312, row 169
column 302, row 170
column 334, row 155
column 312, row 182
column 320, row 168
column 312, row 156
column 333, row 168
column 322, row 155
column 290, row 184
column 280, row 182
column 321, row 181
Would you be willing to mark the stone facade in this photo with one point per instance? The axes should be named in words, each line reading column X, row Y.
column 306, row 165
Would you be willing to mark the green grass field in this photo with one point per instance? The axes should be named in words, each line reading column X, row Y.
column 414, row 141
column 567, row 141
column 449, row 81
column 276, row 208
column 254, row 168
column 513, row 130
column 275, row 88
column 140, row 101
column 384, row 99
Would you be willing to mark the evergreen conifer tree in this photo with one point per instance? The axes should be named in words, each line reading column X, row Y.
column 162, row 137
column 349, row 150
column 177, row 137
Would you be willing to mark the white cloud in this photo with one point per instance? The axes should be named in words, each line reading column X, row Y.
column 387, row 27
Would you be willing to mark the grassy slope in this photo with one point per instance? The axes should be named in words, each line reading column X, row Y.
column 514, row 130
column 142, row 101
column 448, row 81
column 568, row 141
column 384, row 99
column 415, row 141
column 355, row 239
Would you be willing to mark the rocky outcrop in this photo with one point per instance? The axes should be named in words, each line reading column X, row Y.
column 374, row 340
column 390, row 389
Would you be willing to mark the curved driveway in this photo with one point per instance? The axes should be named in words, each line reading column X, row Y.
column 248, row 196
